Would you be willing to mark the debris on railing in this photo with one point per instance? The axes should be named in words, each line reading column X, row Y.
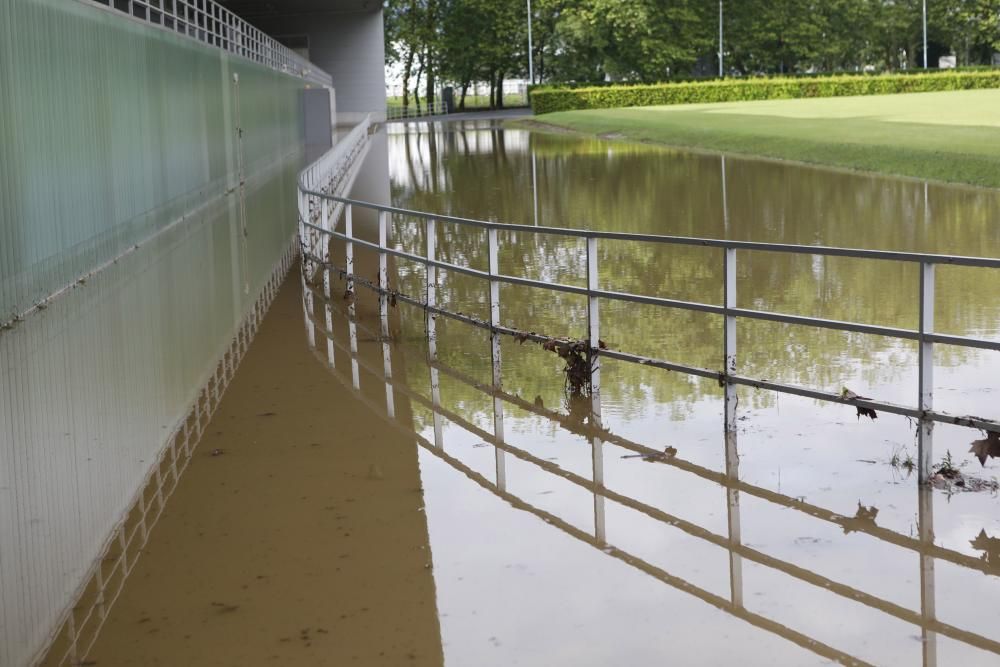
column 862, row 411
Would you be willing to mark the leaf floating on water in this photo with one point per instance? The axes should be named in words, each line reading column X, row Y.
column 988, row 447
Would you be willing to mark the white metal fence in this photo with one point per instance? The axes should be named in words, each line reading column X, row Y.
column 211, row 23
column 437, row 108
column 727, row 375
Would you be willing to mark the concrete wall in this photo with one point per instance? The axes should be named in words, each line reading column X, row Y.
column 348, row 45
column 117, row 140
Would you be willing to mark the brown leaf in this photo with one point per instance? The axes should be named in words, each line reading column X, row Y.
column 988, row 447
column 521, row 337
column 867, row 412
column 549, row 346
column 601, row 344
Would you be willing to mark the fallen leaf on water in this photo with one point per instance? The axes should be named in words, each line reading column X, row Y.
column 987, row 447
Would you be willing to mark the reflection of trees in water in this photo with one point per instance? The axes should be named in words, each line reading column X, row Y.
column 645, row 189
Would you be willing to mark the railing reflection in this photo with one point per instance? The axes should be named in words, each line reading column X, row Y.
column 588, row 424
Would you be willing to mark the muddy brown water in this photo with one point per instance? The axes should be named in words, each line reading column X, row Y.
column 386, row 514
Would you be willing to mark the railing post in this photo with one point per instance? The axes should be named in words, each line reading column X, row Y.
column 352, row 326
column 593, row 353
column 494, row 267
column 327, row 282
column 925, row 443
column 430, row 297
column 383, row 310
column 431, row 300
column 731, row 399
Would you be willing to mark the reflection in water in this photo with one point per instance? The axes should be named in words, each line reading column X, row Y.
column 534, row 456
column 479, row 170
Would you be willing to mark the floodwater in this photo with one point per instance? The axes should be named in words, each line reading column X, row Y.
column 363, row 510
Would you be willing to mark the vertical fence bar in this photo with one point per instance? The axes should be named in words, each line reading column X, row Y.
column 327, row 282
column 494, row 266
column 729, row 274
column 925, row 443
column 383, row 310
column 593, row 352
column 349, row 294
column 430, row 298
column 307, row 295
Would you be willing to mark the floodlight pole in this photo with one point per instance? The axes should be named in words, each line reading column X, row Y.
column 925, row 34
column 721, row 69
column 531, row 59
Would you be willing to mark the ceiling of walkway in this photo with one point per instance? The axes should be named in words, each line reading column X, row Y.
column 250, row 9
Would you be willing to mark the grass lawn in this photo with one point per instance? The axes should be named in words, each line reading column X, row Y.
column 949, row 136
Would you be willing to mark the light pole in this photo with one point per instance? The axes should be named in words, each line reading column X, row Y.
column 721, row 69
column 531, row 59
column 925, row 34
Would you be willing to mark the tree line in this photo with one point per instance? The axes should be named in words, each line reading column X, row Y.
column 460, row 42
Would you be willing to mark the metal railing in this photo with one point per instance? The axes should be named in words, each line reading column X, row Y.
column 727, row 376
column 332, row 174
column 923, row 546
column 211, row 23
column 416, row 111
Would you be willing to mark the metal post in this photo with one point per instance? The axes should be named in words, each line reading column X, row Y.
column 534, row 184
column 721, row 68
column 925, row 34
column 383, row 311
column 594, row 345
column 349, row 293
column 494, row 266
column 327, row 283
column 531, row 57
column 431, row 300
column 725, row 199
column 925, row 443
column 925, row 518
column 731, row 399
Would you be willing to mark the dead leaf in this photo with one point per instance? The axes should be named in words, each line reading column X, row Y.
column 601, row 344
column 862, row 412
column 549, row 346
column 988, row 447
column 521, row 337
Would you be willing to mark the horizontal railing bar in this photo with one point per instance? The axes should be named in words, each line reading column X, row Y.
column 957, row 260
column 963, row 341
column 817, row 394
column 795, row 571
column 800, row 320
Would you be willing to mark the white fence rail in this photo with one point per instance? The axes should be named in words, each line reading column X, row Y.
column 211, row 23
column 416, row 111
column 728, row 373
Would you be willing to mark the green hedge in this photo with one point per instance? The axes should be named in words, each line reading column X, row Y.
column 547, row 100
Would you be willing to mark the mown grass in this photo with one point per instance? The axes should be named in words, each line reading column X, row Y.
column 946, row 136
